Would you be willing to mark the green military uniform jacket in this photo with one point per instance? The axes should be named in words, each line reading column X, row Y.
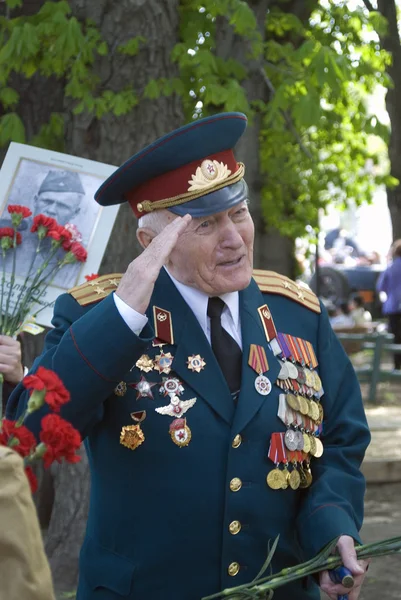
column 171, row 522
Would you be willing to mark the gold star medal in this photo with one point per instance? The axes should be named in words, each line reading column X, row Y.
column 163, row 362
column 180, row 433
column 144, row 363
column 196, row 363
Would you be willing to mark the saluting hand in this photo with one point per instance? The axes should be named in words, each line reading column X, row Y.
column 346, row 549
column 137, row 283
column 10, row 359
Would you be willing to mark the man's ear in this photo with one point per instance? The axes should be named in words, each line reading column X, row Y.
column 145, row 235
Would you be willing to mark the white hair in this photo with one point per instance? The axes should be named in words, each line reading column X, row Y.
column 157, row 220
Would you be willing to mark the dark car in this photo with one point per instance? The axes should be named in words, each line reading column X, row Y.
column 338, row 282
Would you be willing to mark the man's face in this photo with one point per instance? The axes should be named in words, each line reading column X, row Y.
column 215, row 254
column 62, row 206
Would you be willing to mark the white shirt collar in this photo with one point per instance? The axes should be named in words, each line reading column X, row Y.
column 198, row 302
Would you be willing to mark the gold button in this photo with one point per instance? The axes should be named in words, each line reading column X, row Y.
column 235, row 527
column 139, row 207
column 233, row 569
column 235, row 484
column 237, row 441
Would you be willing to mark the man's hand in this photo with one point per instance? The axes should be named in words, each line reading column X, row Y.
column 136, row 285
column 346, row 549
column 10, row 359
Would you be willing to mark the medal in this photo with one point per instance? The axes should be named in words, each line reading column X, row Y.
column 290, row 440
column 275, row 479
column 143, row 388
column 120, row 389
column 284, row 373
column 292, row 401
column 307, row 445
column 258, row 361
column 132, row 436
column 163, row 362
column 294, row 479
column 171, row 386
column 176, row 408
column 319, row 448
column 292, row 370
column 299, row 438
column 180, row 433
column 196, row 363
column 263, row 385
column 144, row 363
column 303, row 405
column 303, row 479
column 312, row 441
column 301, row 377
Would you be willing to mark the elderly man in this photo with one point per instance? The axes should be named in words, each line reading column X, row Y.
column 201, row 392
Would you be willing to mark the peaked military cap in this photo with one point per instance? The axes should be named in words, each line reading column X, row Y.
column 190, row 170
column 62, row 181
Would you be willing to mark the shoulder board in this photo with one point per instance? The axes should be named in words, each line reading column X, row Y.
column 274, row 283
column 96, row 289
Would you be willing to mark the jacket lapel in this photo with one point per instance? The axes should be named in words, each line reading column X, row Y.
column 250, row 401
column 189, row 339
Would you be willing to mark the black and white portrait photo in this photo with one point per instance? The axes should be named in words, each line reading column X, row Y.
column 61, row 187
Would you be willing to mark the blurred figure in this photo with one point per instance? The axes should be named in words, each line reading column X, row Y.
column 24, row 570
column 343, row 317
column 389, row 288
column 359, row 314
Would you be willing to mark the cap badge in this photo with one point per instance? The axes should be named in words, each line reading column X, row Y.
column 208, row 174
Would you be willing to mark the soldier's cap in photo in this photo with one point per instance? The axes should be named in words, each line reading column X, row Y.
column 62, row 181
column 191, row 170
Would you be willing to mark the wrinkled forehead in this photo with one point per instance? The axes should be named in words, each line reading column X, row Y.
column 68, row 199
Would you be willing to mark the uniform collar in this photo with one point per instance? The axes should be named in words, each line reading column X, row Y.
column 198, row 301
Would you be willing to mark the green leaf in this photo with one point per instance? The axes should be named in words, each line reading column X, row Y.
column 102, row 49
column 11, row 129
column 152, row 90
column 14, row 3
column 132, row 46
column 8, row 97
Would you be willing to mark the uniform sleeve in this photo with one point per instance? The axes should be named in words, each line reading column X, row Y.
column 90, row 349
column 333, row 505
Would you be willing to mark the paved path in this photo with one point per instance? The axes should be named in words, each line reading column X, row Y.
column 383, row 458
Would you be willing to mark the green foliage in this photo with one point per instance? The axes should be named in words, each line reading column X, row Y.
column 308, row 80
column 53, row 43
column 318, row 74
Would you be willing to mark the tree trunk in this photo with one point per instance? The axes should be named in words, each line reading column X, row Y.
column 65, row 534
column 392, row 43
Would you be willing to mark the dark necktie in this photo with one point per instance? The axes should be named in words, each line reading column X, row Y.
column 225, row 348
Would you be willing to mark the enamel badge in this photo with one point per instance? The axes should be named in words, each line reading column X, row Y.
column 180, row 432
column 144, row 363
column 120, row 389
column 196, row 363
column 163, row 362
column 177, row 407
column 143, row 388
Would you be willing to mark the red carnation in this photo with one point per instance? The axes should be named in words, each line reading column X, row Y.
column 18, row 212
column 91, row 277
column 19, row 209
column 62, row 235
column 61, row 440
column 42, row 224
column 55, row 394
column 7, row 237
column 79, row 252
column 33, row 482
column 22, row 440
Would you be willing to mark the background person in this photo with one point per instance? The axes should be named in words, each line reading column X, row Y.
column 389, row 284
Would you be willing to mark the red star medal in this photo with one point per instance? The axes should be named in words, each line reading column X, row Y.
column 143, row 388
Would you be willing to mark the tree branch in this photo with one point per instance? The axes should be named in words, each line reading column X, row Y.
column 286, row 116
column 368, row 5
